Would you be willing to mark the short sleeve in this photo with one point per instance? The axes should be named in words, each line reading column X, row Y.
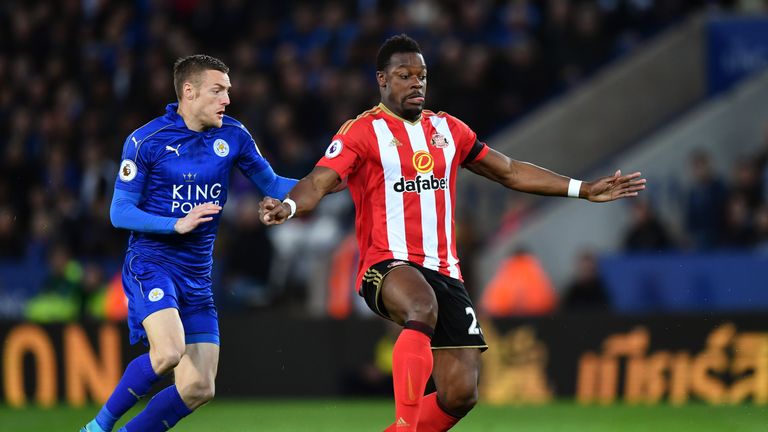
column 135, row 164
column 468, row 146
column 345, row 151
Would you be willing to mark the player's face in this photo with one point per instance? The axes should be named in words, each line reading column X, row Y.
column 403, row 84
column 211, row 99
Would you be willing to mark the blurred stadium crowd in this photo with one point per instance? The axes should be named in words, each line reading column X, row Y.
column 80, row 75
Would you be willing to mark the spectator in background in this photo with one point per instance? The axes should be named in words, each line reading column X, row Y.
column 94, row 292
column 554, row 35
column 646, row 232
column 586, row 45
column 705, row 203
column 746, row 184
column 586, row 292
column 17, row 178
column 250, row 256
column 522, row 79
column 61, row 296
column 520, row 287
column 744, row 214
column 342, row 292
column 761, row 229
column 738, row 231
column 97, row 175
column 11, row 238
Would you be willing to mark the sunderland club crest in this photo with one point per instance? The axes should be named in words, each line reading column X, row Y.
column 439, row 141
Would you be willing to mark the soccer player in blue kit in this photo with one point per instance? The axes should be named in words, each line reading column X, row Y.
column 171, row 188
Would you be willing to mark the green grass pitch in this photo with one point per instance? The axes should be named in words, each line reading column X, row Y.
column 373, row 415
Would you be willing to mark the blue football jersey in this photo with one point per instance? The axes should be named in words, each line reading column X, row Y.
column 174, row 169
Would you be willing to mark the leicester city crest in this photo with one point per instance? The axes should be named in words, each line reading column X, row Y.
column 156, row 294
column 220, row 147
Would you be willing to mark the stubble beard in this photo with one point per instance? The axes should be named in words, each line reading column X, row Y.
column 411, row 113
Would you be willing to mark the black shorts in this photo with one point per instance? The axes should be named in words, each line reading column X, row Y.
column 457, row 325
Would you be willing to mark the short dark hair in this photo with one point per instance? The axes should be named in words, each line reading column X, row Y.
column 186, row 69
column 401, row 43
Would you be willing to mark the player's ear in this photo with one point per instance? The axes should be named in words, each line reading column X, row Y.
column 189, row 90
column 381, row 78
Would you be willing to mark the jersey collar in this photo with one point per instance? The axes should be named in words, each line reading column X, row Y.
column 172, row 115
column 388, row 111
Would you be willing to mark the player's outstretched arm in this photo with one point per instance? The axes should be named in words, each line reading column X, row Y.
column 613, row 187
column 271, row 184
column 306, row 195
column 527, row 177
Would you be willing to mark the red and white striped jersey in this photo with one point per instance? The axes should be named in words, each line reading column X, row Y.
column 402, row 178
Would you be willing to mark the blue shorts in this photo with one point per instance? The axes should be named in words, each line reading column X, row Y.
column 151, row 286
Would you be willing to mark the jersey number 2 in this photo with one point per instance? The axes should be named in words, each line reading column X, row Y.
column 473, row 328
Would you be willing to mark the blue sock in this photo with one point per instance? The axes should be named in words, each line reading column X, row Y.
column 161, row 413
column 137, row 379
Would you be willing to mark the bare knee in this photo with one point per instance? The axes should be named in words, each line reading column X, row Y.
column 165, row 358
column 425, row 312
column 458, row 400
column 196, row 393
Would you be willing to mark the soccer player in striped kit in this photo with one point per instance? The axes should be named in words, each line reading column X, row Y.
column 400, row 163
column 171, row 188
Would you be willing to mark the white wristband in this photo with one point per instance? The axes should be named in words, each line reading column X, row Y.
column 292, row 204
column 574, row 186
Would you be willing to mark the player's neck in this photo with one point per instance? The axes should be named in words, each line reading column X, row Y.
column 410, row 118
column 188, row 119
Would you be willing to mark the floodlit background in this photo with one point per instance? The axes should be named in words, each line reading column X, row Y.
column 654, row 288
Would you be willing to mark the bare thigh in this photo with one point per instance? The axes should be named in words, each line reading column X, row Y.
column 408, row 296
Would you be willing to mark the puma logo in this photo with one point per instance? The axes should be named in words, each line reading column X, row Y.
column 175, row 150
column 135, row 143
